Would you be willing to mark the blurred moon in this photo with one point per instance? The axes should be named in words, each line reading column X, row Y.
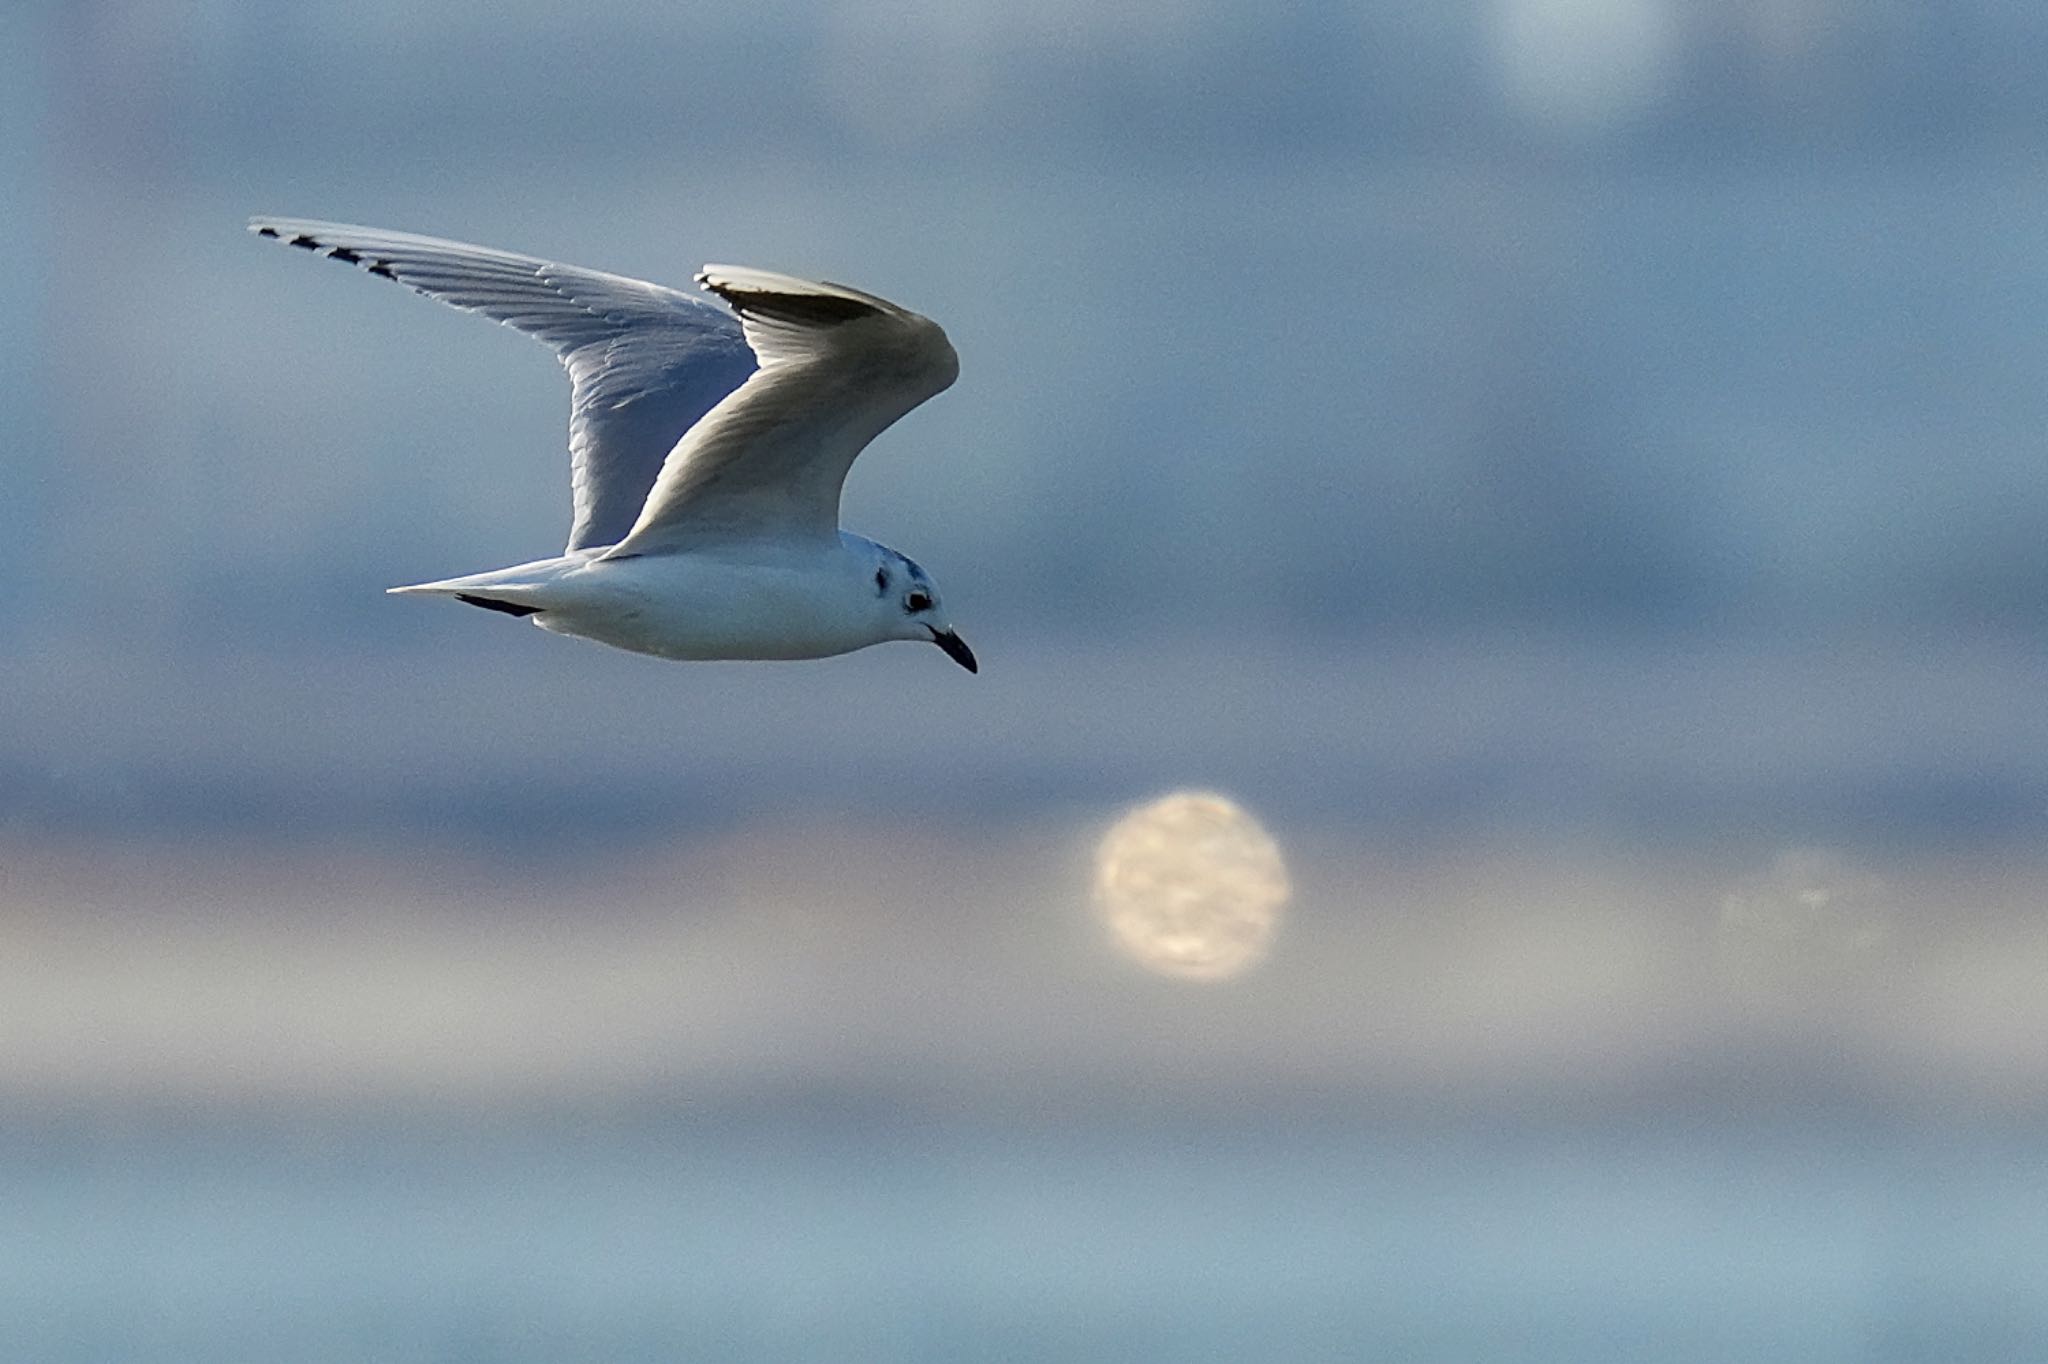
column 1191, row 886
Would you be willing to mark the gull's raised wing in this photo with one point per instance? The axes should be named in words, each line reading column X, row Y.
column 837, row 367
column 645, row 362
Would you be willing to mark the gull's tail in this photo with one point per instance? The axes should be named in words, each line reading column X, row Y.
column 515, row 591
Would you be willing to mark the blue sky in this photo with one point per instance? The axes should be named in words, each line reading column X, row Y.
column 1367, row 334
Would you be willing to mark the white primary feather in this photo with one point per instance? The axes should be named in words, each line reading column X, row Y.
column 838, row 366
column 644, row 361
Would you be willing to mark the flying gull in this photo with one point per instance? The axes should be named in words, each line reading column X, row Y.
column 707, row 449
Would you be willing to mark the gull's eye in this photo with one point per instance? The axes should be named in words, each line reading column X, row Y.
column 918, row 601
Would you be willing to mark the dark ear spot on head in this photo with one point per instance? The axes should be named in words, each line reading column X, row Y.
column 882, row 582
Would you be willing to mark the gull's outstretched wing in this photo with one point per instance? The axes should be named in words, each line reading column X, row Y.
column 644, row 362
column 837, row 366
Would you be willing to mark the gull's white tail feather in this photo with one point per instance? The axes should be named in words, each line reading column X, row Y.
column 529, row 587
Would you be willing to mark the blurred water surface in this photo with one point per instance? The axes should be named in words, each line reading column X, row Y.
column 837, row 1234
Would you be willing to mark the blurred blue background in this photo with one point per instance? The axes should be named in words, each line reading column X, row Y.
column 1570, row 467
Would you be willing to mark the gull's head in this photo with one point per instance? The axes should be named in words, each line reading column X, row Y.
column 908, row 601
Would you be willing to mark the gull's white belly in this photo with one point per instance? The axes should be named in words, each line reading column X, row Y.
column 699, row 608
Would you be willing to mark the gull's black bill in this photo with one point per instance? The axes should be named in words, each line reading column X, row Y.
column 956, row 648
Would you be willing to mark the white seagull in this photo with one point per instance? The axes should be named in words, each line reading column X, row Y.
column 706, row 453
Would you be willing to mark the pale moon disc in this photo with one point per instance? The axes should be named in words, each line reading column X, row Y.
column 1191, row 886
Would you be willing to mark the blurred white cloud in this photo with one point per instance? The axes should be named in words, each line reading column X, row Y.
column 866, row 957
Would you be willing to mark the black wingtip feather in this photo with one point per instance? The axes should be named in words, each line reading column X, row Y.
column 347, row 255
